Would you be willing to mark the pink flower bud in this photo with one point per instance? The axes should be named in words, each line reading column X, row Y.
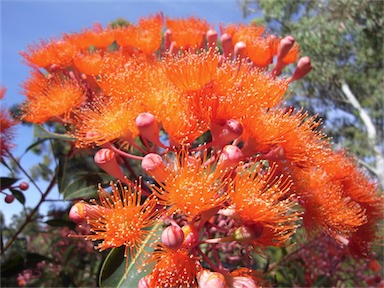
column 211, row 38
column 24, row 186
column 243, row 282
column 106, row 160
column 153, row 164
column 248, row 233
column 275, row 154
column 285, row 45
column 82, row 211
column 191, row 236
column 148, row 128
column 222, row 134
column 167, row 39
column 240, row 50
column 77, row 212
column 9, row 199
column 144, row 282
column 303, row 67
column 172, row 237
column 208, row 279
column 230, row 157
column 226, row 42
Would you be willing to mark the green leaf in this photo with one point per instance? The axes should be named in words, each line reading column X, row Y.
column 86, row 185
column 60, row 223
column 33, row 145
column 40, row 132
column 18, row 195
column 5, row 182
column 113, row 273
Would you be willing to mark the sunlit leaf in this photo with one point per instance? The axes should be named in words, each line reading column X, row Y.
column 113, row 272
column 40, row 132
column 86, row 185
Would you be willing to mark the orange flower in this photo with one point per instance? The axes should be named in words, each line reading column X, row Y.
column 89, row 63
column 123, row 76
column 120, row 219
column 173, row 268
column 259, row 198
column 190, row 71
column 326, row 206
column 296, row 134
column 105, row 120
column 97, row 37
column 6, row 127
column 192, row 187
column 244, row 32
column 50, row 96
column 189, row 32
column 146, row 36
column 58, row 52
column 261, row 50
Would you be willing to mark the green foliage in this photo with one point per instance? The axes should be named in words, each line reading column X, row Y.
column 114, row 272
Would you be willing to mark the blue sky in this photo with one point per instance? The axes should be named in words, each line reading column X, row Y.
column 26, row 22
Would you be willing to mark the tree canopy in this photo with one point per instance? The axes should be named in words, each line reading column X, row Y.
column 344, row 39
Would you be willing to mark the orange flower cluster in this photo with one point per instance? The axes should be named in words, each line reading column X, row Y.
column 209, row 126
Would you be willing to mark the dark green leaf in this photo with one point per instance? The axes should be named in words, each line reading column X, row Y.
column 60, row 223
column 33, row 145
column 18, row 195
column 86, row 185
column 113, row 273
column 40, row 132
column 7, row 182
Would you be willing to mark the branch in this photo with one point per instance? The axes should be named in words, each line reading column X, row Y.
column 371, row 131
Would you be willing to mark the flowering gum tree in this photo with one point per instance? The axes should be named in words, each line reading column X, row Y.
column 230, row 169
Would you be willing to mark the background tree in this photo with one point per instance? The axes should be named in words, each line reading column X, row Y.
column 344, row 39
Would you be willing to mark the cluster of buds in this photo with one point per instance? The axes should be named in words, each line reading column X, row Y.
column 203, row 113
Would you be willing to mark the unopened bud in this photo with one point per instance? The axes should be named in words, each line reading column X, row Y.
column 208, row 279
column 24, row 186
column 172, row 237
column 222, row 134
column 248, row 233
column 144, row 282
column 285, row 45
column 9, row 199
column 226, row 42
column 167, row 39
column 303, row 67
column 230, row 157
column 211, row 38
column 148, row 127
column 274, row 154
column 243, row 282
column 106, row 160
column 153, row 164
column 77, row 212
column 191, row 236
column 240, row 50
column 82, row 211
